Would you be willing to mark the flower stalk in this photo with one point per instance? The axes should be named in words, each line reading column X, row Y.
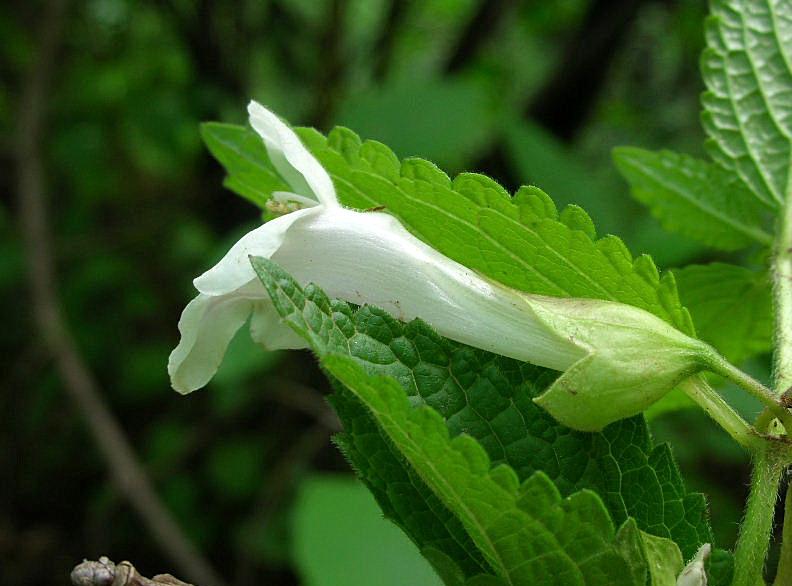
column 699, row 390
column 720, row 366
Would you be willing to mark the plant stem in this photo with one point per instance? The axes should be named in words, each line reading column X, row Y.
column 782, row 374
column 782, row 290
column 784, row 575
column 754, row 540
column 713, row 404
column 769, row 461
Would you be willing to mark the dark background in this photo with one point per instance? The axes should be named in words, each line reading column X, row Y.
column 526, row 91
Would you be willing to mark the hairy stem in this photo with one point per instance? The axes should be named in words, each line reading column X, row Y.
column 782, row 375
column 782, row 290
column 784, row 574
column 713, row 404
column 754, row 540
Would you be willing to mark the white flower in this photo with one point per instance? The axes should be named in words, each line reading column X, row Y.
column 370, row 258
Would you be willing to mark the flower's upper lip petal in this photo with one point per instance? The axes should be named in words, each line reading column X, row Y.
column 370, row 258
column 290, row 157
column 234, row 270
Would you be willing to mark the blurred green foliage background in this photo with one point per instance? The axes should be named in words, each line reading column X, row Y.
column 527, row 91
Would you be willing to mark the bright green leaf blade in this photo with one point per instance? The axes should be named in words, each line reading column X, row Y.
column 695, row 198
column 731, row 307
column 528, row 534
column 521, row 242
column 242, row 153
column 747, row 67
column 490, row 398
column 340, row 537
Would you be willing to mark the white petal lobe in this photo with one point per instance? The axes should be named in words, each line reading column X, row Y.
column 292, row 160
column 234, row 270
column 369, row 258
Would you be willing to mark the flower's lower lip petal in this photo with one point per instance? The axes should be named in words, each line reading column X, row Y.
column 234, row 270
column 207, row 325
column 369, row 258
column 270, row 331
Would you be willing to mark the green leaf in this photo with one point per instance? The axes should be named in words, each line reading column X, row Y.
column 731, row 307
column 447, row 120
column 698, row 199
column 402, row 496
column 340, row 537
column 527, row 532
column 747, row 67
column 521, row 242
column 242, row 153
column 664, row 560
column 540, row 157
column 490, row 398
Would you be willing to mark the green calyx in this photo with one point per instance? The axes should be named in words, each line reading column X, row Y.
column 633, row 360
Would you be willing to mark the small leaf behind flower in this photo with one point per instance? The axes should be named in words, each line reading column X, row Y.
column 731, row 307
column 694, row 197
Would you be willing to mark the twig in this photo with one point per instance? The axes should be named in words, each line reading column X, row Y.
column 78, row 380
column 479, row 30
column 569, row 95
column 105, row 573
column 285, row 474
column 386, row 43
column 331, row 74
column 305, row 399
column 561, row 107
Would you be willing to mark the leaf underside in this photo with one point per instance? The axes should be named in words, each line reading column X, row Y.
column 488, row 398
column 747, row 67
column 695, row 198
